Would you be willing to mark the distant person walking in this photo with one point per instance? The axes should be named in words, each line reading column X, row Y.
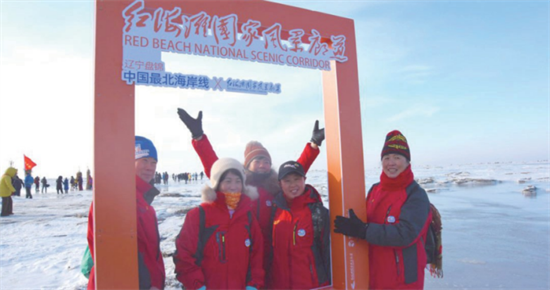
column 6, row 190
column 37, row 184
column 73, row 183
column 89, row 180
column 44, row 185
column 79, row 180
column 18, row 184
column 29, row 181
column 59, row 184
column 66, row 185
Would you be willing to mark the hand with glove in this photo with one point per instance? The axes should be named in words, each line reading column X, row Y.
column 194, row 125
column 351, row 226
column 318, row 134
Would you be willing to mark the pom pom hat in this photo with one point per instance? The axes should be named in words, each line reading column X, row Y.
column 145, row 148
column 255, row 149
column 396, row 143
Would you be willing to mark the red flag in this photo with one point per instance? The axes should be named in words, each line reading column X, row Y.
column 29, row 164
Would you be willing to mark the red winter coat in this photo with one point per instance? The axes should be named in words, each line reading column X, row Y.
column 231, row 254
column 150, row 260
column 262, row 205
column 301, row 243
column 398, row 216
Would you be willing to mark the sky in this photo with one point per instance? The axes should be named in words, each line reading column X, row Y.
column 464, row 81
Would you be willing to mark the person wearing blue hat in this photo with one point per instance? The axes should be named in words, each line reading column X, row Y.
column 152, row 274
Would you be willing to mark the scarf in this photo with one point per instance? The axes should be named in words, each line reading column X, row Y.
column 232, row 199
column 401, row 181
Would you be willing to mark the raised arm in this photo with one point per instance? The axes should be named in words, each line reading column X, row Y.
column 311, row 151
column 200, row 140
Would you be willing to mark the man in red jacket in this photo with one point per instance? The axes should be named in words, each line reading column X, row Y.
column 150, row 261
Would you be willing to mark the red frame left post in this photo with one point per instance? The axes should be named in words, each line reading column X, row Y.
column 114, row 189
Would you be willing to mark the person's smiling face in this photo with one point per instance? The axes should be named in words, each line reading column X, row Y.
column 293, row 185
column 394, row 164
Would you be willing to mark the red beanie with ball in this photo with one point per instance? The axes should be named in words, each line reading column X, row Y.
column 396, row 143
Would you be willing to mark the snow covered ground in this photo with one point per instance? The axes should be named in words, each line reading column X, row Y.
column 494, row 235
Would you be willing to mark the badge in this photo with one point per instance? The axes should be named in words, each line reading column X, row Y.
column 268, row 202
column 301, row 232
column 391, row 219
column 247, row 243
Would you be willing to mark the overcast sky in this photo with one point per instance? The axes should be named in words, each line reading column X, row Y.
column 465, row 81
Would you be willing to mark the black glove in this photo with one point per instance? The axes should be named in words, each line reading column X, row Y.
column 351, row 226
column 318, row 135
column 194, row 125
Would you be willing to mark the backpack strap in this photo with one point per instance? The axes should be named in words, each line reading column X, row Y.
column 204, row 234
column 436, row 253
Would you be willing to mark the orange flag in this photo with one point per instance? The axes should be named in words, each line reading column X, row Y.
column 29, row 164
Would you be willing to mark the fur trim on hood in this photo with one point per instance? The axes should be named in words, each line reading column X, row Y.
column 270, row 183
column 209, row 194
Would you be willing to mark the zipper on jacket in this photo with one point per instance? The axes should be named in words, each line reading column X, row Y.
column 397, row 262
column 294, row 235
column 220, row 239
column 223, row 246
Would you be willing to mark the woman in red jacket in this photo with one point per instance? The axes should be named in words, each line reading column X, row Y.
column 301, row 229
column 398, row 215
column 220, row 243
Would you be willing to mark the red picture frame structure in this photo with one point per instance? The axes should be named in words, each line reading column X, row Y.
column 114, row 103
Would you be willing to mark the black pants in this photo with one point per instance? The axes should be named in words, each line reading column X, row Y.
column 29, row 195
column 7, row 206
column 59, row 189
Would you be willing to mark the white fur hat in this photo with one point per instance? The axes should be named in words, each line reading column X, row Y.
column 221, row 166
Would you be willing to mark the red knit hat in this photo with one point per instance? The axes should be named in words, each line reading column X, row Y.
column 253, row 150
column 396, row 143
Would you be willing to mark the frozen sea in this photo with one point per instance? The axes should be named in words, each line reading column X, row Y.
column 495, row 236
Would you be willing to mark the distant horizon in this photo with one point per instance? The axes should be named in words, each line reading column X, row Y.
column 313, row 168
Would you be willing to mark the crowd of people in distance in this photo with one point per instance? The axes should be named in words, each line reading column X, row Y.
column 162, row 178
column 12, row 186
